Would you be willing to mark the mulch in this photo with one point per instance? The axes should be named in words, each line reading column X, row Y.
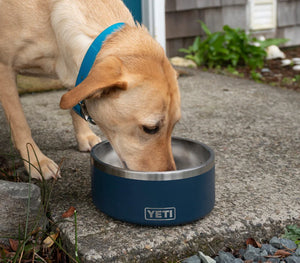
column 284, row 77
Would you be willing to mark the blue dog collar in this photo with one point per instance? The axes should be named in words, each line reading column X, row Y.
column 87, row 64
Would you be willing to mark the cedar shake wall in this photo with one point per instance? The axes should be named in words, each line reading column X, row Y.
column 182, row 16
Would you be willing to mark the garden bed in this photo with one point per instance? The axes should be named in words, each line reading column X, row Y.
column 272, row 73
column 275, row 74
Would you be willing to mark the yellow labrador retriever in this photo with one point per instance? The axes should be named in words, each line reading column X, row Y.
column 131, row 91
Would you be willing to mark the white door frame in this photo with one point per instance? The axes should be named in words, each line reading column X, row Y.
column 153, row 17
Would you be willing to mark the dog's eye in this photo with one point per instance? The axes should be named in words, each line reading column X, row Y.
column 151, row 130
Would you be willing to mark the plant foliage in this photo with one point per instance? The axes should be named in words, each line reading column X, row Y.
column 230, row 47
column 292, row 232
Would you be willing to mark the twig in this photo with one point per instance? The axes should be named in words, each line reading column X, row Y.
column 21, row 256
column 39, row 257
column 290, row 249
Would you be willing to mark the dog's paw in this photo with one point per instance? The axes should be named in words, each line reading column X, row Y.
column 86, row 143
column 43, row 169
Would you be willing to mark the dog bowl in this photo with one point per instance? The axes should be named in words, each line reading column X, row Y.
column 155, row 198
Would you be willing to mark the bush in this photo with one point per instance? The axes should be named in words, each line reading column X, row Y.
column 231, row 47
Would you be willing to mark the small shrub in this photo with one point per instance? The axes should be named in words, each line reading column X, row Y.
column 230, row 47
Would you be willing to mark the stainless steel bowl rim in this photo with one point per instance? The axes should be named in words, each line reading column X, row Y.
column 156, row 176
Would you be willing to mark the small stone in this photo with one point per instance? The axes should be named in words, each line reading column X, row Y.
column 296, row 68
column 297, row 252
column 242, row 251
column 286, row 62
column 251, row 253
column 265, row 70
column 274, row 260
column 269, row 248
column 193, row 259
column 262, row 256
column 14, row 208
column 274, row 52
column 292, row 259
column 238, row 260
column 287, row 243
column 183, row 62
column 205, row 259
column 275, row 242
column 282, row 243
column 296, row 61
column 225, row 257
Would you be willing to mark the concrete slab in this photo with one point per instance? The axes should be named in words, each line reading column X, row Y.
column 254, row 130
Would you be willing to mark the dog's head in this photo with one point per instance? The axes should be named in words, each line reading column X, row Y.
column 136, row 103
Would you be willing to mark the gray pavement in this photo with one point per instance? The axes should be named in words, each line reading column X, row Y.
column 254, row 130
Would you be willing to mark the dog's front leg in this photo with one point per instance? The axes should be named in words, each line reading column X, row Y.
column 85, row 137
column 35, row 161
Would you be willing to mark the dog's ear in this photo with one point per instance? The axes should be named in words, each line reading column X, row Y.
column 103, row 75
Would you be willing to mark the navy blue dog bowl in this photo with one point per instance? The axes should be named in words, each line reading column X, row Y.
column 155, row 198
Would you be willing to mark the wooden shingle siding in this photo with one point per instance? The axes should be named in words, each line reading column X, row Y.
column 183, row 25
column 174, row 45
column 234, row 2
column 234, row 16
column 213, row 19
column 181, row 5
column 182, row 16
column 170, row 5
column 196, row 4
column 298, row 13
column 288, row 21
column 292, row 33
column 287, row 14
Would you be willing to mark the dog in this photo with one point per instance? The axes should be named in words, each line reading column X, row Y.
column 131, row 91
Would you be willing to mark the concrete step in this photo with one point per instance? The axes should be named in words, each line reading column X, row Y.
column 254, row 130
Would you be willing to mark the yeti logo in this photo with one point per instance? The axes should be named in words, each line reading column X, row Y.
column 160, row 214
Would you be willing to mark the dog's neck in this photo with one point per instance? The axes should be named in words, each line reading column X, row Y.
column 72, row 47
column 88, row 62
column 75, row 29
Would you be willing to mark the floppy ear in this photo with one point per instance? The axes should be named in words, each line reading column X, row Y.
column 105, row 74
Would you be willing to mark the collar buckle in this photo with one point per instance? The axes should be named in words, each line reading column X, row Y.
column 84, row 112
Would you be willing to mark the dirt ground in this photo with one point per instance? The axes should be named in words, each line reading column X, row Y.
column 275, row 74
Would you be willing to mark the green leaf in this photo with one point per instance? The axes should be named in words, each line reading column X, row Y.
column 292, row 232
column 213, row 38
column 232, row 46
column 272, row 41
column 205, row 28
column 223, row 51
column 184, row 50
column 198, row 59
column 196, row 44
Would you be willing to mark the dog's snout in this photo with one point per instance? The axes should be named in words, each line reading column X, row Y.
column 171, row 166
column 151, row 165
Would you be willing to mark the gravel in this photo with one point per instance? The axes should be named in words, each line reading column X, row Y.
column 283, row 243
column 279, row 250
